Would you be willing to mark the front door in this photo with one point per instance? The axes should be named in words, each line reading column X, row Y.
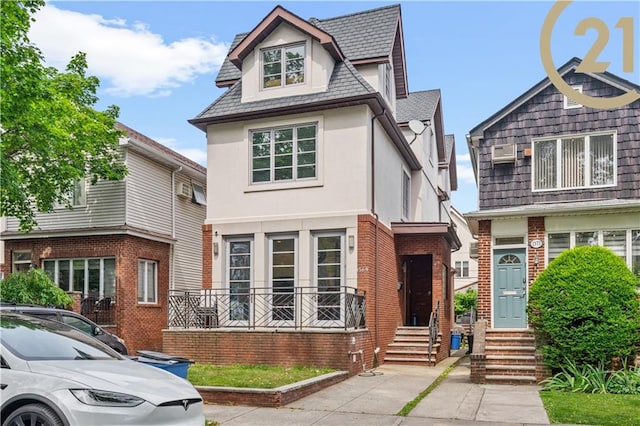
column 419, row 284
column 509, row 289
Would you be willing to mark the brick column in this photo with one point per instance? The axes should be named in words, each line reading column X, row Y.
column 484, row 270
column 207, row 256
column 535, row 258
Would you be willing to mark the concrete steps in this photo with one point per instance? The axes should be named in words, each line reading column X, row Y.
column 411, row 347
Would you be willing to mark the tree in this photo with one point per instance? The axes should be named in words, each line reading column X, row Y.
column 465, row 302
column 51, row 134
column 33, row 287
column 584, row 308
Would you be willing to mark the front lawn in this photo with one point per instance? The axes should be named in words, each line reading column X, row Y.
column 250, row 376
column 593, row 409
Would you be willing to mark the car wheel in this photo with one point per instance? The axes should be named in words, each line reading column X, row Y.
column 33, row 415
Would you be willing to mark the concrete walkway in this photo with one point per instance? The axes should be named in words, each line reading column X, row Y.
column 376, row 399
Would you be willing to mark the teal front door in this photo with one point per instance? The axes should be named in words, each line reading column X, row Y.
column 509, row 289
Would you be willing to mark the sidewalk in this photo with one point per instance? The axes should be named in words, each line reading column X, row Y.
column 375, row 400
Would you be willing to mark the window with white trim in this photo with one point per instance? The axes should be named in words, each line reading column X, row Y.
column 283, row 277
column 574, row 162
column 329, row 264
column 462, row 269
column 284, row 154
column 239, row 261
column 21, row 261
column 623, row 242
column 570, row 103
column 91, row 276
column 283, row 66
column 76, row 197
column 147, row 281
column 406, row 194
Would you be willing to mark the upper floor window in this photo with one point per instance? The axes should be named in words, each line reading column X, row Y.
column 283, row 154
column 462, row 269
column 406, row 191
column 283, row 66
column 574, row 162
column 76, row 197
column 388, row 86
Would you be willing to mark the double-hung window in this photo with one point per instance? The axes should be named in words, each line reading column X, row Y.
column 581, row 161
column 283, row 66
column 147, row 281
column 283, row 277
column 462, row 269
column 284, row 154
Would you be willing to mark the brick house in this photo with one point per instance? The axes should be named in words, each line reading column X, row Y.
column 124, row 244
column 538, row 196
column 328, row 224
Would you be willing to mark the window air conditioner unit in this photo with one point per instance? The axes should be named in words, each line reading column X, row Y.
column 473, row 250
column 184, row 190
column 503, row 153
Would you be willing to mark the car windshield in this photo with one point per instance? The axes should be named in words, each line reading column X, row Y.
column 35, row 339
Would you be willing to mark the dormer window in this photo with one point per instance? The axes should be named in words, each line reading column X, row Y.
column 283, row 66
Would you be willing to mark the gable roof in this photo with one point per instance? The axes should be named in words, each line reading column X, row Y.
column 450, row 160
column 364, row 37
column 571, row 65
column 417, row 106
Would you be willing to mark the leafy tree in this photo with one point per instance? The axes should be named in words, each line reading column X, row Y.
column 51, row 134
column 464, row 302
column 33, row 287
column 584, row 308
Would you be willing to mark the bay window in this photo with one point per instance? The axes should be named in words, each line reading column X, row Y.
column 91, row 277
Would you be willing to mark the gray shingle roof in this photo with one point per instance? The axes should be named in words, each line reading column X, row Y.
column 417, row 106
column 361, row 35
column 345, row 82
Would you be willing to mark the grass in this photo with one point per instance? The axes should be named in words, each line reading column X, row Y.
column 411, row 405
column 593, row 409
column 250, row 376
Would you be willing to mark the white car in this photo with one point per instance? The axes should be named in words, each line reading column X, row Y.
column 53, row 374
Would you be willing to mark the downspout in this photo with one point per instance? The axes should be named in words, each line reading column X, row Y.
column 375, row 215
column 172, row 282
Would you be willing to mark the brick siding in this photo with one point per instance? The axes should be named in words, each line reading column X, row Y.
column 484, row 271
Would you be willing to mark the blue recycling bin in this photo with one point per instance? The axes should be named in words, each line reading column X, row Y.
column 173, row 364
column 455, row 341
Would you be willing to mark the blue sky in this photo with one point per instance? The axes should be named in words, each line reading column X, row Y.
column 157, row 60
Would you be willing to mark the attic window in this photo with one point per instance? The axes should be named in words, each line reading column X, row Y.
column 570, row 103
column 198, row 195
column 283, row 66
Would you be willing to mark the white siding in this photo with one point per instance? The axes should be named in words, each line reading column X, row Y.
column 188, row 246
column 105, row 207
column 148, row 194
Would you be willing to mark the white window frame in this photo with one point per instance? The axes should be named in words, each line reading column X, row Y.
column 283, row 65
column 69, row 285
column 18, row 265
column 568, row 103
column 599, row 240
column 587, row 165
column 273, row 306
column 76, row 197
column 341, row 307
column 146, row 298
column 294, row 153
column 227, row 267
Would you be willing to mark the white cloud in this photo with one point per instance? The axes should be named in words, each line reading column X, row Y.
column 129, row 59
column 465, row 173
column 463, row 158
column 195, row 154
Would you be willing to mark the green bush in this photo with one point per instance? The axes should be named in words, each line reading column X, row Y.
column 584, row 308
column 33, row 287
column 592, row 379
column 464, row 302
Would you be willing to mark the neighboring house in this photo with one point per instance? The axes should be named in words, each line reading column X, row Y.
column 124, row 244
column 465, row 260
column 328, row 221
column 552, row 175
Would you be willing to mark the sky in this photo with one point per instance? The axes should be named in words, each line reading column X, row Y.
column 157, row 60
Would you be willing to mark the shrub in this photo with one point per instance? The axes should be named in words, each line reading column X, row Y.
column 464, row 302
column 591, row 379
column 33, row 287
column 584, row 308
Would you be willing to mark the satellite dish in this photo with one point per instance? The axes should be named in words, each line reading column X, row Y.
column 417, row 126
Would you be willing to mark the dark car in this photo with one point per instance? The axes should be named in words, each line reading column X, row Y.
column 73, row 319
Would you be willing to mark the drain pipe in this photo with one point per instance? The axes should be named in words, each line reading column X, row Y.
column 375, row 215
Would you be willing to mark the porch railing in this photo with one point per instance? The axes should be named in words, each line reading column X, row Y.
column 434, row 328
column 294, row 308
column 100, row 310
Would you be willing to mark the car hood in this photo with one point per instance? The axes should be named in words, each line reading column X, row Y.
column 150, row 383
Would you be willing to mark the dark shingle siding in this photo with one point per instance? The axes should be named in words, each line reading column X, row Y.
column 508, row 185
column 228, row 71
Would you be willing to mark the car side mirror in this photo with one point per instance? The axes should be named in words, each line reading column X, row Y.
column 97, row 331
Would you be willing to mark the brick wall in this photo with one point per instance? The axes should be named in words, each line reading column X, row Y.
column 270, row 347
column 139, row 325
column 535, row 257
column 207, row 256
column 484, row 271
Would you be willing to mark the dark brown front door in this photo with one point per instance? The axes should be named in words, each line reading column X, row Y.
column 419, row 286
